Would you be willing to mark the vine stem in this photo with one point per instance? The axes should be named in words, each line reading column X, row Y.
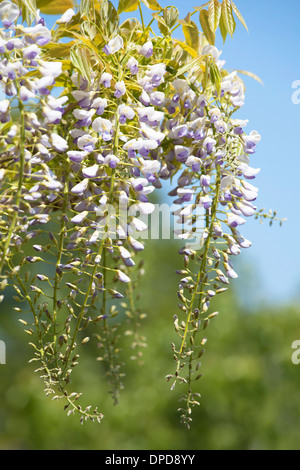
column 142, row 18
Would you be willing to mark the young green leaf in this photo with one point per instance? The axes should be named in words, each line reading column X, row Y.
column 80, row 58
column 127, row 6
column 214, row 14
column 223, row 29
column 191, row 34
column 54, row 7
column 170, row 15
column 164, row 29
column 152, row 5
column 228, row 16
column 204, row 21
column 186, row 48
column 238, row 14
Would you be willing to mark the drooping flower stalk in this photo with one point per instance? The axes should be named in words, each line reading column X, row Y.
column 77, row 171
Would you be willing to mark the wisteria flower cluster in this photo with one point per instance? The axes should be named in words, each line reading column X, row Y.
column 90, row 128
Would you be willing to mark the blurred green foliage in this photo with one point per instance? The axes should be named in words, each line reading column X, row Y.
column 250, row 387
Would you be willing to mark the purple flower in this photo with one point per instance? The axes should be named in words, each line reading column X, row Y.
column 234, row 220
column 106, row 79
column 132, row 64
column 120, row 89
column 147, row 49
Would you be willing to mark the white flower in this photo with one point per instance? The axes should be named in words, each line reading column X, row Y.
column 115, row 44
column 59, row 143
column 120, row 89
column 81, row 187
column 147, row 49
column 86, row 142
column 145, row 208
column 123, row 252
column 157, row 98
column 38, row 33
column 211, row 50
column 105, row 79
column 91, row 171
column 56, row 103
column 126, row 111
column 82, row 114
column 51, row 69
column 138, row 225
column 111, row 160
column 9, row 12
column 67, row 16
column 151, row 134
column 133, row 65
column 181, row 86
column 149, row 166
column 52, row 115
column 102, row 126
column 4, row 105
column 77, row 219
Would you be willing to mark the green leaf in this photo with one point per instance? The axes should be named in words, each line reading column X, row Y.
column 186, row 48
column 204, row 21
column 170, row 15
column 214, row 14
column 87, row 8
column 80, row 58
column 238, row 14
column 107, row 18
column 185, row 68
column 152, row 4
column 191, row 32
column 161, row 24
column 215, row 76
column 54, row 7
column 127, row 5
column 55, row 50
column 227, row 16
column 202, row 7
column 223, row 29
column 28, row 10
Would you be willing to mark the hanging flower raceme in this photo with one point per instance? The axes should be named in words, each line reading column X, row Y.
column 77, row 171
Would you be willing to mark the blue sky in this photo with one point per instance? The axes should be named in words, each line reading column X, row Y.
column 270, row 50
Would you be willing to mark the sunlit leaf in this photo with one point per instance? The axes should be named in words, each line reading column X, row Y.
column 80, row 58
column 191, row 33
column 214, row 14
column 161, row 24
column 54, row 7
column 170, row 15
column 152, row 4
column 204, row 21
column 185, row 68
column 202, row 6
column 127, row 5
column 227, row 16
column 55, row 50
column 107, row 18
column 28, row 10
column 87, row 8
column 223, row 29
column 85, row 40
column 238, row 14
column 186, row 48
